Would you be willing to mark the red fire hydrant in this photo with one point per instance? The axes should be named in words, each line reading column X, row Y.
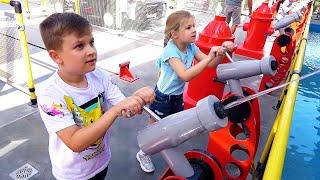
column 214, row 34
column 257, row 29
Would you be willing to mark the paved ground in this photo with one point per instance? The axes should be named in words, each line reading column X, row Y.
column 23, row 135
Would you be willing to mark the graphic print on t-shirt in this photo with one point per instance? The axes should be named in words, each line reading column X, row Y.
column 54, row 110
column 86, row 114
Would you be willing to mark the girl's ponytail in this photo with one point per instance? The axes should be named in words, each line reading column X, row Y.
column 167, row 37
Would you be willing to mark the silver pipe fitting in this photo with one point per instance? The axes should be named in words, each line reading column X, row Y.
column 287, row 20
column 246, row 68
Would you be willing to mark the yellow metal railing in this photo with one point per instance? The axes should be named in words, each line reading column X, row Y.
column 26, row 5
column 76, row 5
column 5, row 1
column 278, row 138
column 24, row 46
column 43, row 4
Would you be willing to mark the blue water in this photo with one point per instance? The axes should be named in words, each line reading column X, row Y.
column 303, row 151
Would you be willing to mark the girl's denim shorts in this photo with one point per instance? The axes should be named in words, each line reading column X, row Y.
column 165, row 105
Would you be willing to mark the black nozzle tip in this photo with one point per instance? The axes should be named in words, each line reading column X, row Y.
column 219, row 109
column 284, row 40
column 274, row 65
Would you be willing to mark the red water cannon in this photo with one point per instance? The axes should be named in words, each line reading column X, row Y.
column 283, row 50
column 243, row 130
column 257, row 29
column 214, row 34
column 213, row 162
column 166, row 135
column 284, row 45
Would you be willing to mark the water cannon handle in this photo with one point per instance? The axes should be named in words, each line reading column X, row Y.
column 225, row 51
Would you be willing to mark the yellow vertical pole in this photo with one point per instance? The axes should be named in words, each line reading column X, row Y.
column 26, row 5
column 76, row 3
column 43, row 5
column 24, row 47
column 5, row 1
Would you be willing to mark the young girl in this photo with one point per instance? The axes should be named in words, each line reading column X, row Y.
column 175, row 68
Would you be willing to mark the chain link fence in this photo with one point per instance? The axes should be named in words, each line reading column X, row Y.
column 10, row 51
column 137, row 15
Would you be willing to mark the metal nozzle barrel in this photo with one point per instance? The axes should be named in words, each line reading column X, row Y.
column 246, row 68
column 287, row 20
column 177, row 128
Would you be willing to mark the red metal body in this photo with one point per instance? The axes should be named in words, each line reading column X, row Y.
column 229, row 140
column 257, row 30
column 223, row 143
column 125, row 73
column 214, row 34
column 283, row 51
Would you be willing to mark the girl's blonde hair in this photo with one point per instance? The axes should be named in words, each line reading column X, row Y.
column 174, row 22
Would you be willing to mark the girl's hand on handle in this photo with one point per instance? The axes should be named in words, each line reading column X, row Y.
column 230, row 47
column 215, row 51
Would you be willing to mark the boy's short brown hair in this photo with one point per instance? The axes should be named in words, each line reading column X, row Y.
column 57, row 25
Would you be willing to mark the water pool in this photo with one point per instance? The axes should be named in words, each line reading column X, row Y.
column 303, row 151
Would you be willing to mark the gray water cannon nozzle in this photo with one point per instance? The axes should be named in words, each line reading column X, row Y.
column 175, row 129
column 164, row 135
column 287, row 20
column 268, row 65
column 246, row 68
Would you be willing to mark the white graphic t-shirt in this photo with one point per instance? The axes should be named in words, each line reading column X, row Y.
column 61, row 106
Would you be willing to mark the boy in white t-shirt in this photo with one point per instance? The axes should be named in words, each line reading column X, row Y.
column 73, row 101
